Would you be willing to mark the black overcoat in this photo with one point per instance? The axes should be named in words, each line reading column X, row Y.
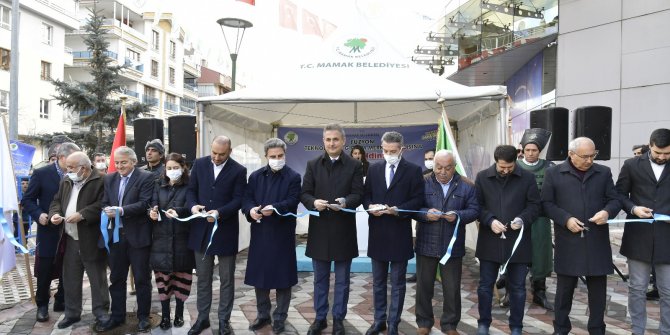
column 169, row 249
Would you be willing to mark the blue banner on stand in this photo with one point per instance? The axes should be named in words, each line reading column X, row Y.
column 22, row 157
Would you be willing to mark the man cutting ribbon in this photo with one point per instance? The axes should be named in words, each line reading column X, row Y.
column 450, row 202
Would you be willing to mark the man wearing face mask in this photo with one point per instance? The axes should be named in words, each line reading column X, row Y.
column 428, row 160
column 100, row 162
column 509, row 199
column 579, row 196
column 391, row 185
column 42, row 187
column 272, row 189
column 76, row 208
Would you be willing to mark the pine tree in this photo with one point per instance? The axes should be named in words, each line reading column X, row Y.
column 95, row 95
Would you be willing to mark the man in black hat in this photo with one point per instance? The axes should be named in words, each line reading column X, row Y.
column 534, row 140
column 154, row 153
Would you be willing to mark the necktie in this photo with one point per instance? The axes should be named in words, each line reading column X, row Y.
column 391, row 174
column 122, row 188
column 332, row 161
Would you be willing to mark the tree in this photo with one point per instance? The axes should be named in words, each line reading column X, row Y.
column 95, row 96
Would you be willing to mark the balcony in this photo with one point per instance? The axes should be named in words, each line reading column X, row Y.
column 131, row 94
column 148, row 100
column 191, row 88
column 170, row 106
column 89, row 54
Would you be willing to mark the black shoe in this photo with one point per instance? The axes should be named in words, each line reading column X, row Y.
column 376, row 328
column 393, row 330
column 59, row 306
column 67, row 322
column 198, row 327
column 42, row 314
column 225, row 328
column 178, row 320
column 338, row 327
column 144, row 326
column 412, row 279
column 107, row 325
column 259, row 323
column 317, row 326
column 278, row 327
column 165, row 323
column 653, row 294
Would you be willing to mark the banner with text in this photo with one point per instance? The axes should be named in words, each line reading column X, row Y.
column 22, row 157
column 304, row 144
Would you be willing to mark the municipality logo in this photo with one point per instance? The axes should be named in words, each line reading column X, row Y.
column 355, row 47
column 13, row 146
column 291, row 138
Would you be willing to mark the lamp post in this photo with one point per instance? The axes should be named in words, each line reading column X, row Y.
column 239, row 25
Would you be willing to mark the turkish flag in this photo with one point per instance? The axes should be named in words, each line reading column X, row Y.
column 119, row 141
column 310, row 23
column 288, row 14
column 251, row 2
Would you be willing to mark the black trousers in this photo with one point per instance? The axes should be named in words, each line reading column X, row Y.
column 264, row 304
column 597, row 293
column 45, row 270
column 121, row 256
column 426, row 268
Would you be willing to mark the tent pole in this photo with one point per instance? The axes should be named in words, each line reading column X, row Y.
column 504, row 122
column 201, row 130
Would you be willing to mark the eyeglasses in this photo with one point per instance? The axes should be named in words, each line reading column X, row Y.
column 593, row 156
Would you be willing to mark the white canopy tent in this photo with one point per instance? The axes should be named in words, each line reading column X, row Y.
column 357, row 79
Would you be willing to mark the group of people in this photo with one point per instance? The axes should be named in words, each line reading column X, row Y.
column 171, row 219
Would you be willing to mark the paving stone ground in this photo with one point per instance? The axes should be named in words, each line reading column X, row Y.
column 17, row 313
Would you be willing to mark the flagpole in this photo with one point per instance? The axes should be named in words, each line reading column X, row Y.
column 26, row 257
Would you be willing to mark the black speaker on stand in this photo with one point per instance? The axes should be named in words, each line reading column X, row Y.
column 555, row 120
column 595, row 122
column 146, row 129
column 182, row 136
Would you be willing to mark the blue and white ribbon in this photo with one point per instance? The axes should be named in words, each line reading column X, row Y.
column 657, row 217
column 446, row 256
column 204, row 216
column 516, row 244
column 104, row 226
column 297, row 215
column 9, row 235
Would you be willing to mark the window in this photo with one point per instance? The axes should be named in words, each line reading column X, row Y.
column 4, row 102
column 154, row 69
column 47, row 34
column 44, row 109
column 133, row 55
column 46, row 71
column 150, row 91
column 5, row 15
column 155, row 40
column 171, row 98
column 172, row 76
column 173, row 49
column 4, row 59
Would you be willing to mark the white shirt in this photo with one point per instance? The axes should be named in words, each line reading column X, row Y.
column 218, row 168
column 658, row 169
column 388, row 173
column 71, row 228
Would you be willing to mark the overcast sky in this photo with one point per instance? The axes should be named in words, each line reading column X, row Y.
column 268, row 45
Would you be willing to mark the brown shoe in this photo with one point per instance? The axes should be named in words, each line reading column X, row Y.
column 452, row 332
column 422, row 331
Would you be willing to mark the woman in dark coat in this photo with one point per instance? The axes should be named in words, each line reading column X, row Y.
column 171, row 259
column 358, row 153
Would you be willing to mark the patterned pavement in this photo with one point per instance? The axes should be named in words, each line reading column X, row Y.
column 17, row 313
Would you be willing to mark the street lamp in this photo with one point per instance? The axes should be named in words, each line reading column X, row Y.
column 239, row 25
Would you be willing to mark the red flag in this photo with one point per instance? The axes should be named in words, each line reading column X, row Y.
column 251, row 2
column 119, row 140
column 288, row 14
column 310, row 23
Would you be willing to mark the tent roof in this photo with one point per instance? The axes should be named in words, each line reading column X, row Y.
column 356, row 78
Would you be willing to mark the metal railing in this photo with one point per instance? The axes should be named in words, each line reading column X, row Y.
column 151, row 101
column 89, row 54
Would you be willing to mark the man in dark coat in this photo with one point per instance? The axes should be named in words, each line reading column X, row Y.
column 508, row 198
column 128, row 194
column 216, row 187
column 644, row 182
column 579, row 196
column 532, row 143
column 272, row 261
column 42, row 187
column 332, row 181
column 390, row 185
column 445, row 191
column 76, row 207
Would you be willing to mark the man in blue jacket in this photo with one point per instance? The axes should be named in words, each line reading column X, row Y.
column 216, row 187
column 391, row 184
column 449, row 199
column 42, row 188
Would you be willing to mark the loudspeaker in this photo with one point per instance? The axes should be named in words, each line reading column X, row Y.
column 146, row 129
column 181, row 133
column 595, row 122
column 556, row 120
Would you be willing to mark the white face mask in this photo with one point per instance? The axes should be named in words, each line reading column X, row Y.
column 100, row 165
column 392, row 159
column 428, row 164
column 74, row 176
column 174, row 175
column 276, row 164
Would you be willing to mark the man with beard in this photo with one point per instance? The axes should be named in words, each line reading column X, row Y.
column 645, row 185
